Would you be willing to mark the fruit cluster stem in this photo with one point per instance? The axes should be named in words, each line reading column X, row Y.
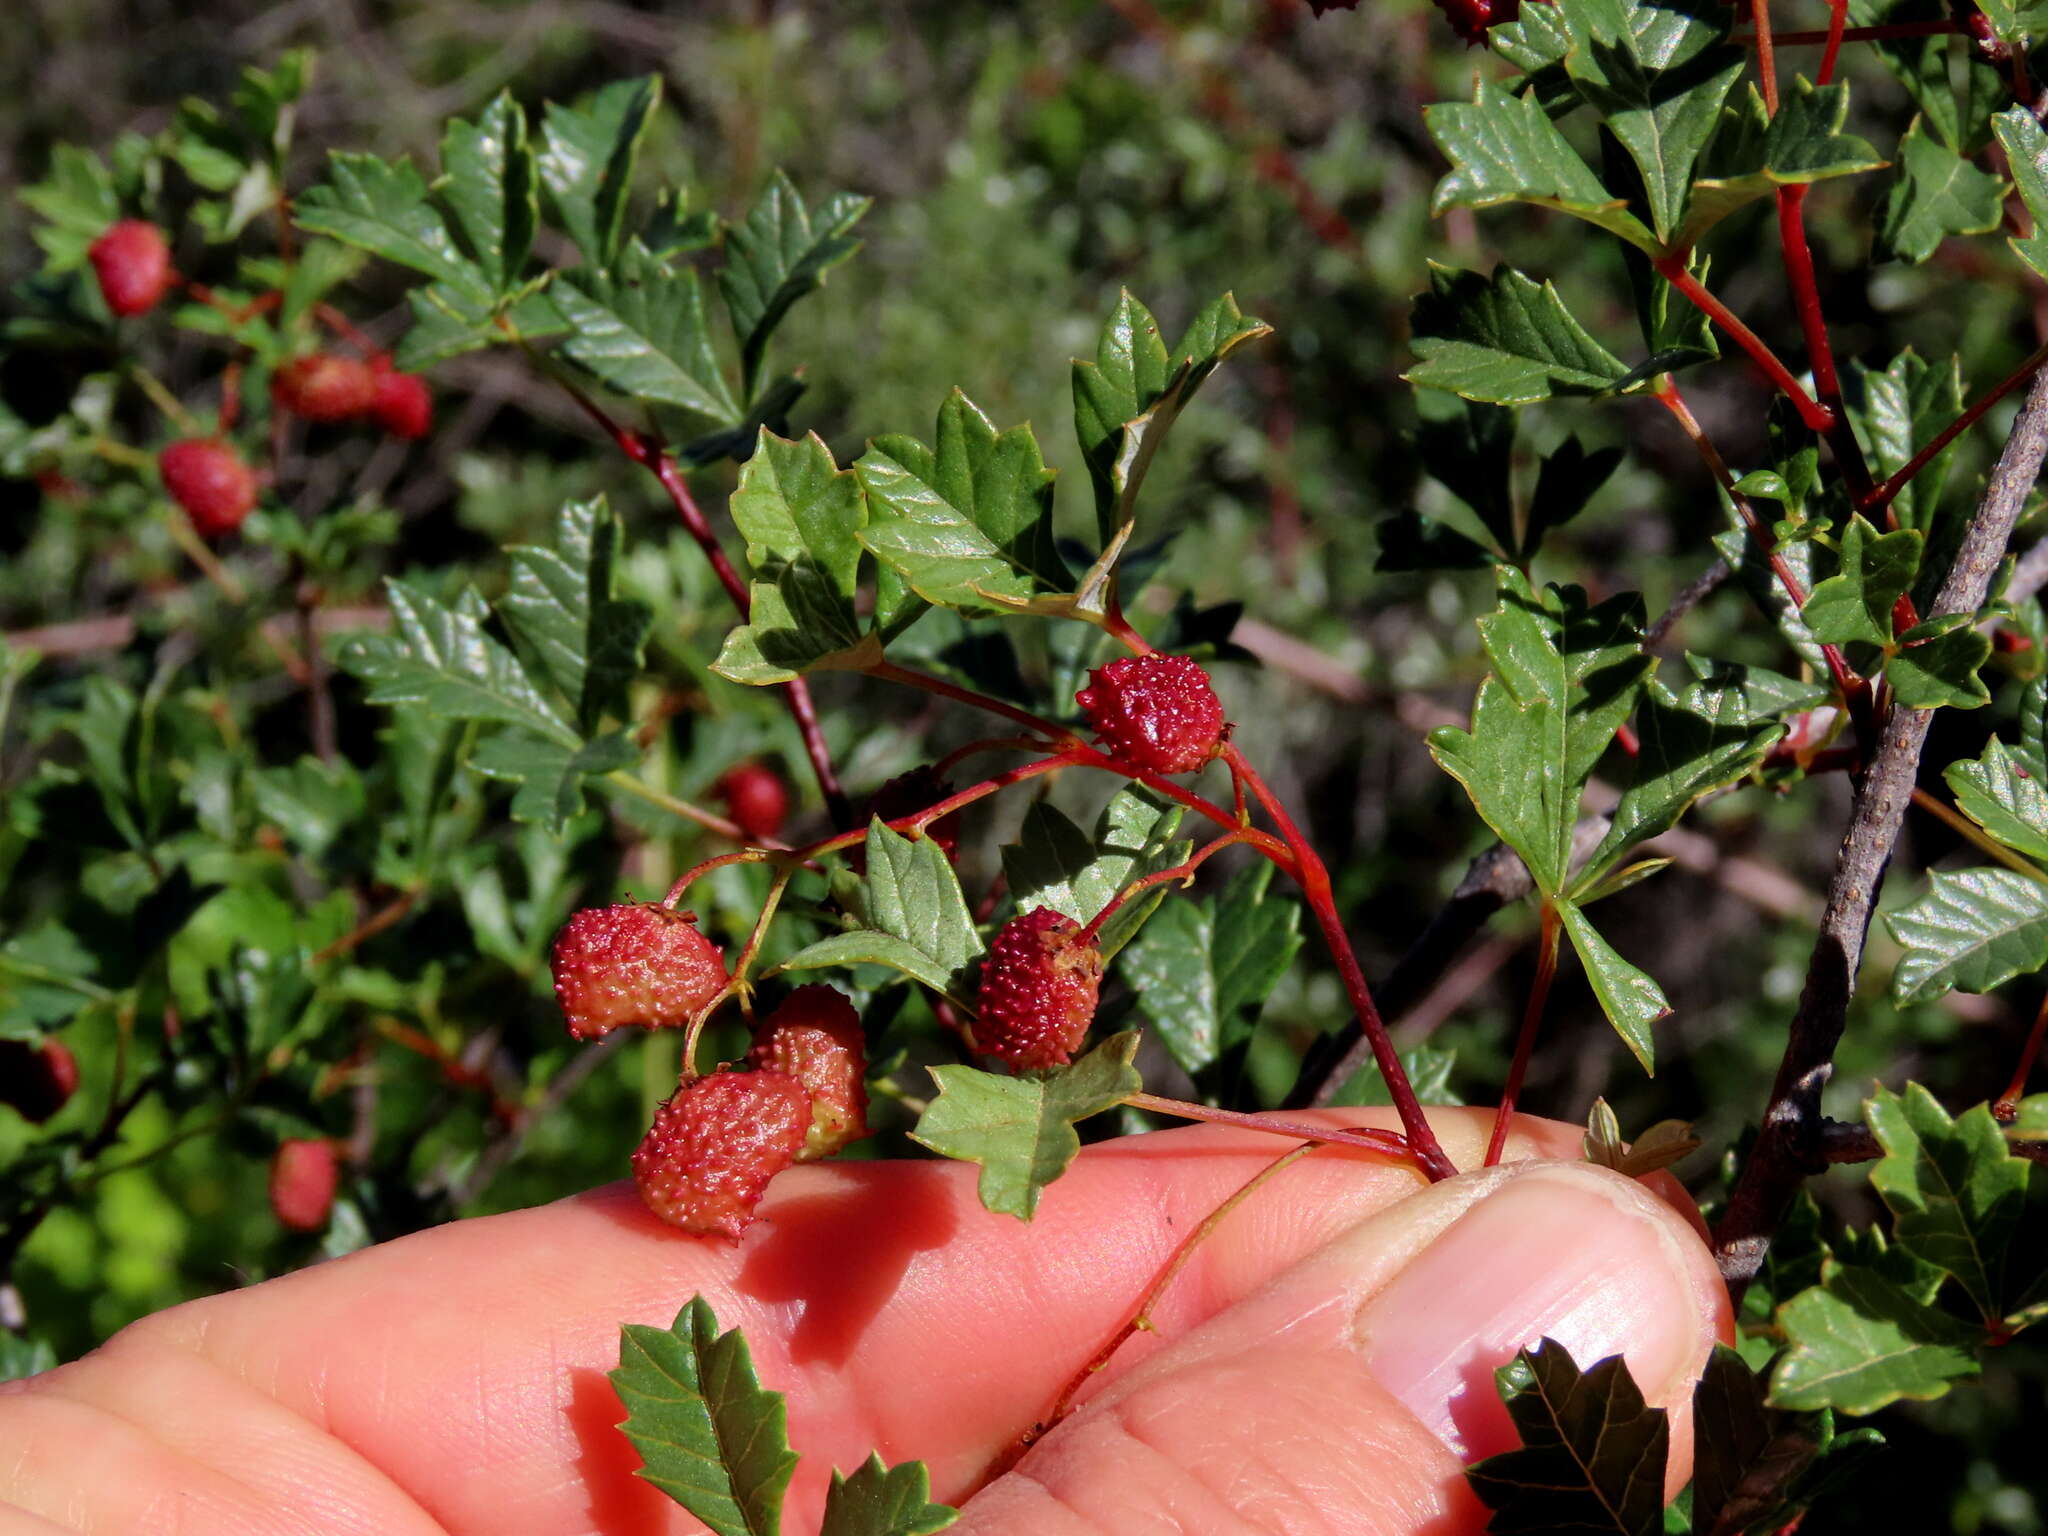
column 1532, row 1020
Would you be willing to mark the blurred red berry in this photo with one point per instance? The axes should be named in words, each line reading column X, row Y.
column 756, row 799
column 302, row 1179
column 324, row 386
column 37, row 1080
column 402, row 405
column 133, row 265
column 208, row 479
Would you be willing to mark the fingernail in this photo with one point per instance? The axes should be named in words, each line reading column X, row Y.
column 1564, row 1253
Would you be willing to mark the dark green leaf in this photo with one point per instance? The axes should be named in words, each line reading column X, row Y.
column 778, row 253
column 551, row 774
column 1855, row 605
column 586, row 162
column 1504, row 339
column 1898, row 410
column 1429, row 1074
column 646, row 339
column 1630, row 998
column 1570, row 478
column 708, row 1435
column 1764, row 693
column 560, row 605
column 1755, row 153
column 1936, row 665
column 1505, row 149
column 1021, row 1129
column 310, row 801
column 884, row 1501
column 1937, row 193
column 21, row 1357
column 913, row 898
column 2026, row 156
column 2016, row 21
column 969, row 522
column 2003, row 798
column 1055, row 864
column 1473, row 453
column 1592, row 1453
column 1859, row 1341
column 382, row 207
column 1974, row 929
column 77, row 201
column 487, row 183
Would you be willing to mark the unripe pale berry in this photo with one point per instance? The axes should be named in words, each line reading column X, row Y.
column 324, row 386
column 714, row 1145
column 636, row 964
column 133, row 265
column 1157, row 712
column 208, row 479
column 402, row 405
column 815, row 1036
column 1038, row 990
column 756, row 799
column 302, row 1179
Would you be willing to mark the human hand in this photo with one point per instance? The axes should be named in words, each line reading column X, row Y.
column 1322, row 1365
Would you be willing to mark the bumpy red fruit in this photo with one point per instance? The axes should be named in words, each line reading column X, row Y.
column 322, row 386
column 815, row 1037
column 1158, row 712
column 37, row 1080
column 133, row 265
column 756, row 799
column 302, row 1180
column 208, row 479
column 402, row 405
column 635, row 964
column 1038, row 990
column 707, row 1159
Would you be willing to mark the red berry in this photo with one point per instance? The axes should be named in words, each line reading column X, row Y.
column 637, row 964
column 714, row 1145
column 1470, row 18
column 1038, row 990
column 756, row 799
column 37, row 1080
column 1157, row 712
column 917, row 790
column 2010, row 642
column 133, row 265
column 302, row 1180
column 402, row 405
column 323, row 386
column 815, row 1037
column 208, row 479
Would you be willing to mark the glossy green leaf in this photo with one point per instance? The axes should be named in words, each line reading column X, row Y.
column 1855, row 605
column 1975, row 929
column 586, row 160
column 1472, row 453
column 1753, row 570
column 560, row 605
column 913, row 899
column 1630, row 997
column 778, row 253
column 1505, row 149
column 647, row 339
column 1937, row 193
column 1203, row 968
column 2016, row 21
column 1754, row 153
column 1055, row 864
column 1998, row 793
column 708, row 1435
column 311, row 802
column 884, row 1501
column 1504, row 339
column 489, row 186
column 1764, row 693
column 1021, row 1129
column 1592, row 1453
column 1937, row 663
column 1859, row 1341
column 2026, row 156
column 550, row 774
column 969, row 521
column 1429, row 1070
column 1565, row 676
column 1898, row 410
column 382, row 207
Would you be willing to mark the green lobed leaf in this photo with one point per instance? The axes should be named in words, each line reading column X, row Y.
column 969, row 521
column 1937, row 663
column 1472, row 454
column 884, row 1501
column 1764, row 693
column 1955, row 1191
column 1854, row 606
column 1203, row 968
column 1860, row 1340
column 2026, row 156
column 1570, row 477
column 1565, row 676
column 1505, row 339
column 1657, row 73
column 488, row 184
column 382, row 207
column 1592, row 1453
column 1630, row 998
column 1757, row 1468
column 1755, row 152
column 551, row 774
column 439, row 657
column 778, row 253
column 560, row 604
column 1975, row 929
column 1055, row 864
column 77, row 200
column 912, row 898
column 1688, row 746
column 586, row 160
column 1920, row 64
column 708, row 1435
column 1021, row 1129
column 2016, row 21
column 1505, row 149
column 311, row 802
column 1937, row 193
column 647, row 339
column 1899, row 409
column 1998, row 793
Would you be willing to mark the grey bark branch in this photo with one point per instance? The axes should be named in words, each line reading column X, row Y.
column 1792, row 1142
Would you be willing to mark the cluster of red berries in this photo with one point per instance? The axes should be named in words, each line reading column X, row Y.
column 717, row 1141
column 328, row 387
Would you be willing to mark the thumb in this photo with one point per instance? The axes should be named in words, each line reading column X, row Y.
column 1345, row 1397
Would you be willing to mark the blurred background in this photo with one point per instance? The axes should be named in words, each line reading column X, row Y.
column 1027, row 161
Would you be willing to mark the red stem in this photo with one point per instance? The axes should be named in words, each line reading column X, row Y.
column 2008, row 1103
column 1532, row 1016
column 1161, row 877
column 1813, row 324
column 917, row 821
column 1365, row 1137
column 1766, row 57
column 1816, row 416
column 1883, row 495
column 1838, row 17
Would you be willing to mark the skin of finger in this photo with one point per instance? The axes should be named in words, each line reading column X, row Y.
column 1269, row 1417
column 468, row 1364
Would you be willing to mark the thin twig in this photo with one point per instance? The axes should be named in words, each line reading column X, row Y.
column 1690, row 596
column 1790, row 1145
